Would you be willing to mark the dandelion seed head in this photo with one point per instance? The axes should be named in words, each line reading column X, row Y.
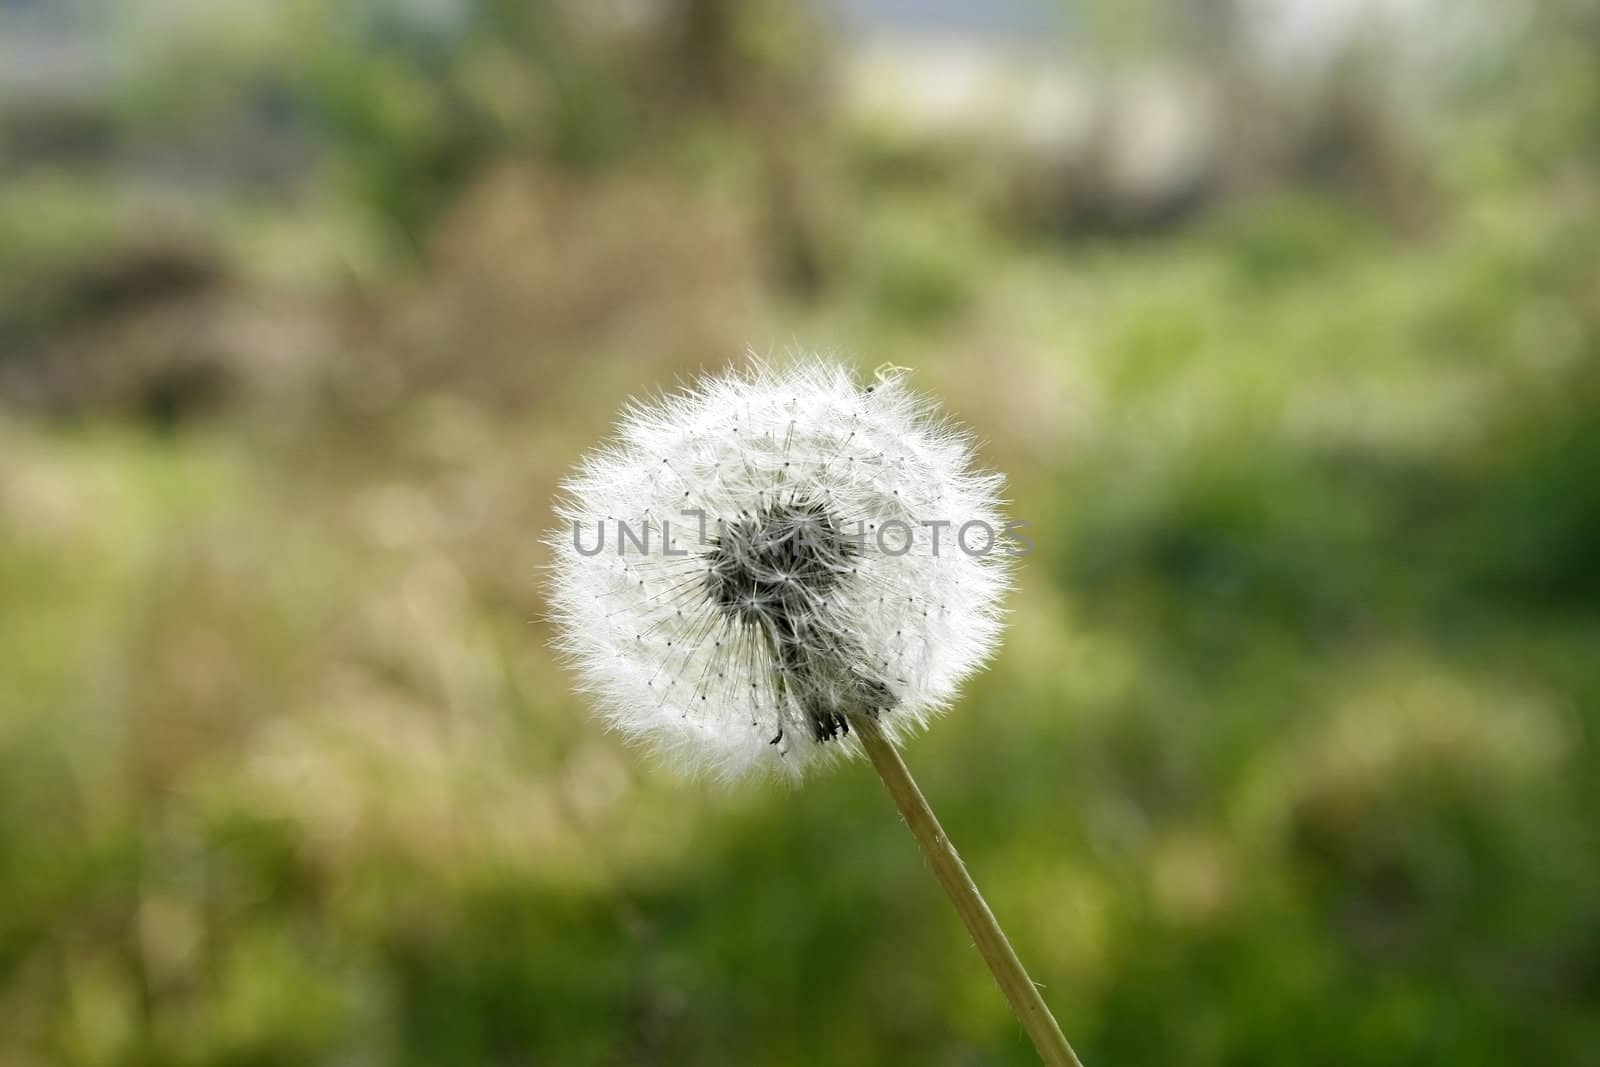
column 778, row 552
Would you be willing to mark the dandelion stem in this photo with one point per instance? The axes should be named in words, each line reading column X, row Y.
column 963, row 892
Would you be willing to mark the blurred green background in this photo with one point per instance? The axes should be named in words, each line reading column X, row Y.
column 1283, row 317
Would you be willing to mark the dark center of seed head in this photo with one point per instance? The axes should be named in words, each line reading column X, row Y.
column 776, row 567
column 773, row 572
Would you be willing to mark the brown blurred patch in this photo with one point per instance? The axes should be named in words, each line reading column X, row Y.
column 535, row 274
column 157, row 330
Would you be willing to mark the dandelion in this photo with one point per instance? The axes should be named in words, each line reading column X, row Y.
column 781, row 567
column 755, row 559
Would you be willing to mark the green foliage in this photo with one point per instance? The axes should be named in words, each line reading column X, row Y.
column 1291, row 755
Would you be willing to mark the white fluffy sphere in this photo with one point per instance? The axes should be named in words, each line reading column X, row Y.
column 757, row 558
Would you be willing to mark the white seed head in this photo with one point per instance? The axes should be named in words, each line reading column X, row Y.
column 755, row 559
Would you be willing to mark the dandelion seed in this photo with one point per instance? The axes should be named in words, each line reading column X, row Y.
column 786, row 599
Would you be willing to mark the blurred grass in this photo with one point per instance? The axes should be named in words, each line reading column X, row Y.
column 1290, row 755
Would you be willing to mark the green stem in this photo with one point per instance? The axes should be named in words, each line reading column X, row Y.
column 963, row 892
